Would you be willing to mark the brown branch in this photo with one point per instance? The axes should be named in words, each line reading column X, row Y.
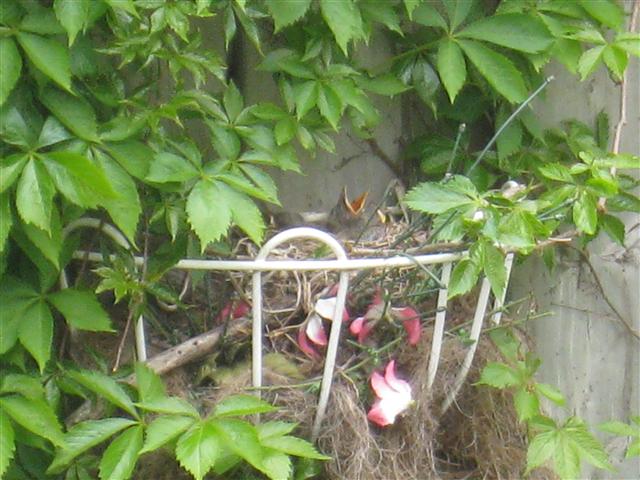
column 382, row 155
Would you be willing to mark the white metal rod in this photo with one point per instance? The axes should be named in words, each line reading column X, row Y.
column 476, row 328
column 334, row 336
column 120, row 239
column 499, row 303
column 296, row 265
column 438, row 329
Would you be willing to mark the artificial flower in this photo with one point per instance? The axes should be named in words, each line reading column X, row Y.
column 393, row 396
column 313, row 331
column 233, row 310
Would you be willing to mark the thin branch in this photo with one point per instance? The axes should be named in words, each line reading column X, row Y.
column 606, row 298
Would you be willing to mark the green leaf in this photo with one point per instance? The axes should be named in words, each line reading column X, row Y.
column 149, row 383
column 589, row 61
column 133, row 156
column 293, row 446
column 634, row 449
column 35, row 415
column 15, row 298
column 106, row 387
column 236, row 405
column 85, row 171
column 330, row 105
column 208, row 212
column 551, row 392
column 286, row 12
column 276, row 465
column 48, row 244
column 84, row 436
column 620, row 429
column 225, row 141
column 11, row 67
column 510, row 140
column 119, row 459
column 25, row 385
column 34, row 197
column 556, row 171
column 427, row 15
column 410, row 6
column 36, row 332
column 451, row 67
column 73, row 15
column 81, row 310
column 285, row 130
column 585, row 444
column 167, row 167
column 463, row 277
column 262, row 180
column 512, row 30
column 305, row 96
column 629, row 42
column 344, row 20
column 198, row 449
column 499, row 375
column 526, row 403
column 125, row 209
column 457, row 11
column 616, row 60
column 126, row 5
column 494, row 269
column 6, row 220
column 171, row 406
column 75, row 113
column 274, row 429
column 48, row 56
column 614, row 227
column 10, row 169
column 381, row 12
column 52, row 132
column 501, row 74
column 605, row 11
column 541, row 448
column 386, row 84
column 244, row 213
column 436, row 198
column 585, row 213
column 233, row 102
column 624, row 202
column 163, row 430
column 242, row 438
column 7, row 443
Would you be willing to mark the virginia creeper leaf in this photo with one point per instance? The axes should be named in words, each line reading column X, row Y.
column 451, row 67
column 35, row 415
column 36, row 332
column 34, row 196
column 119, row 459
column 208, row 212
column 49, row 56
column 81, row 310
column 163, row 430
column 11, row 67
column 198, row 449
column 75, row 113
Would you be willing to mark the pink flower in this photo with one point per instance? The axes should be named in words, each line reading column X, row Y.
column 362, row 326
column 233, row 310
column 313, row 329
column 393, row 396
column 410, row 321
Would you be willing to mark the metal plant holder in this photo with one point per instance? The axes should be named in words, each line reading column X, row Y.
column 342, row 264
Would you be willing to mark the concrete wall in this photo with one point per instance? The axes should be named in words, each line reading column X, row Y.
column 585, row 349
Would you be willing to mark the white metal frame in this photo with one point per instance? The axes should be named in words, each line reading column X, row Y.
column 342, row 264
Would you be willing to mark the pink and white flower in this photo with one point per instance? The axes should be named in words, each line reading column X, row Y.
column 393, row 396
column 362, row 326
column 313, row 331
column 233, row 310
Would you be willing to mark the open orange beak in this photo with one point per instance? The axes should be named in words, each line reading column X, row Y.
column 356, row 206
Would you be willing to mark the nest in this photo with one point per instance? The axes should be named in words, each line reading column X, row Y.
column 478, row 437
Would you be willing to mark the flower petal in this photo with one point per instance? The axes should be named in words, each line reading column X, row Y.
column 325, row 307
column 315, row 330
column 414, row 330
column 357, row 325
column 379, row 415
column 399, row 386
column 305, row 346
column 380, row 386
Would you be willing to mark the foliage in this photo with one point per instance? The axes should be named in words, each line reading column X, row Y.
column 122, row 108
column 218, row 441
column 566, row 445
